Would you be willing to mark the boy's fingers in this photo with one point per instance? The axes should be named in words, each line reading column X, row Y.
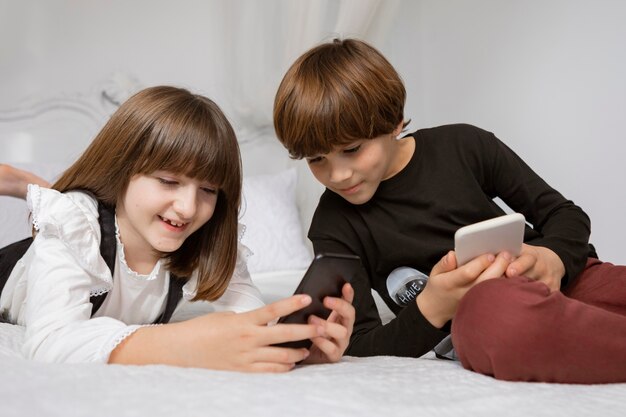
column 497, row 269
column 469, row 272
column 445, row 264
column 521, row 265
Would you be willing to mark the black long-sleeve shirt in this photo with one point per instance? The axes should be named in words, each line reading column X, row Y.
column 451, row 180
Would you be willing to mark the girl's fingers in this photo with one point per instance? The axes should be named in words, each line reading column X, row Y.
column 331, row 330
column 278, row 309
column 328, row 347
column 265, row 367
column 347, row 292
column 281, row 333
column 325, row 351
column 280, row 355
column 341, row 309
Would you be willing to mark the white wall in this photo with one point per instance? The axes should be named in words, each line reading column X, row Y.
column 52, row 46
column 547, row 77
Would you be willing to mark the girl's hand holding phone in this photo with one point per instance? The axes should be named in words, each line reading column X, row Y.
column 243, row 341
column 224, row 340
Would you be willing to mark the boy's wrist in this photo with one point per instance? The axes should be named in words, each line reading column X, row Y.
column 431, row 310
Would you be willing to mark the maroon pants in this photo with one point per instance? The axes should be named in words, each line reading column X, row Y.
column 516, row 329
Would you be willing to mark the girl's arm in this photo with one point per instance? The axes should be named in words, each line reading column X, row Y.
column 225, row 340
column 243, row 341
column 14, row 181
column 55, row 306
column 50, row 287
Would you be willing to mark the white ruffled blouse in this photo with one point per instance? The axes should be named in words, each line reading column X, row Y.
column 49, row 289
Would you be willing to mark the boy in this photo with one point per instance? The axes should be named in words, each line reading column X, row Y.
column 397, row 203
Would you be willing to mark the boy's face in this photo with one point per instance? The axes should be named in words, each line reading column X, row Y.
column 355, row 171
column 160, row 210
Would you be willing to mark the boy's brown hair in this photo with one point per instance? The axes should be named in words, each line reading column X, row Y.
column 335, row 94
column 171, row 129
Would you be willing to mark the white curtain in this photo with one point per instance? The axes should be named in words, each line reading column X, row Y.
column 265, row 37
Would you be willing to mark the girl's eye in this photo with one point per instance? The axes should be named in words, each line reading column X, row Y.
column 352, row 150
column 166, row 181
column 209, row 190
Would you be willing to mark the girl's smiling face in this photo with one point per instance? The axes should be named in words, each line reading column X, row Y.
column 160, row 210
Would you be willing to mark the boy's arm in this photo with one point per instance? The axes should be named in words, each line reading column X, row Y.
column 409, row 334
column 564, row 227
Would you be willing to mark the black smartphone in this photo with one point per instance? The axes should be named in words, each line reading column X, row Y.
column 325, row 277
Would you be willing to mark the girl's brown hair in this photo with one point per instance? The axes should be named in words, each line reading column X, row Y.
column 335, row 94
column 171, row 129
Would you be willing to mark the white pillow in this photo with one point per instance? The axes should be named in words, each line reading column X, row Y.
column 273, row 229
column 268, row 210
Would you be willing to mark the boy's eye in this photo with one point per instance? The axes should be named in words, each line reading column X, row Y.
column 352, row 150
column 314, row 160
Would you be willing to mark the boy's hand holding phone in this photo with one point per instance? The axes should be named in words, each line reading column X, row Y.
column 506, row 233
column 483, row 251
column 538, row 263
column 447, row 284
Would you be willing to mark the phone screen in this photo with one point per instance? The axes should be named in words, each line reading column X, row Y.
column 325, row 277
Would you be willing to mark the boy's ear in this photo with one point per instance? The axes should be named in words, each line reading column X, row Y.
column 398, row 129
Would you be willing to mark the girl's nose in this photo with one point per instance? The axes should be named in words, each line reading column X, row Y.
column 185, row 202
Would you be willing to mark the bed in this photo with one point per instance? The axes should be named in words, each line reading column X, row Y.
column 279, row 198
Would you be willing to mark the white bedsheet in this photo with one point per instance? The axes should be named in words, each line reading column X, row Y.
column 381, row 386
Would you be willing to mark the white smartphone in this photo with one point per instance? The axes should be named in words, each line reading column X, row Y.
column 503, row 233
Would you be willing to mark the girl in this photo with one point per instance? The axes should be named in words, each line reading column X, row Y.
column 166, row 168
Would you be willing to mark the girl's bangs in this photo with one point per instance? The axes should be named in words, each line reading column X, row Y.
column 196, row 153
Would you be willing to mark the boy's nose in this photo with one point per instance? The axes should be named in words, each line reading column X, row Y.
column 339, row 173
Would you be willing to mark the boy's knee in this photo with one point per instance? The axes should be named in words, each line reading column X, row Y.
column 496, row 319
column 498, row 314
